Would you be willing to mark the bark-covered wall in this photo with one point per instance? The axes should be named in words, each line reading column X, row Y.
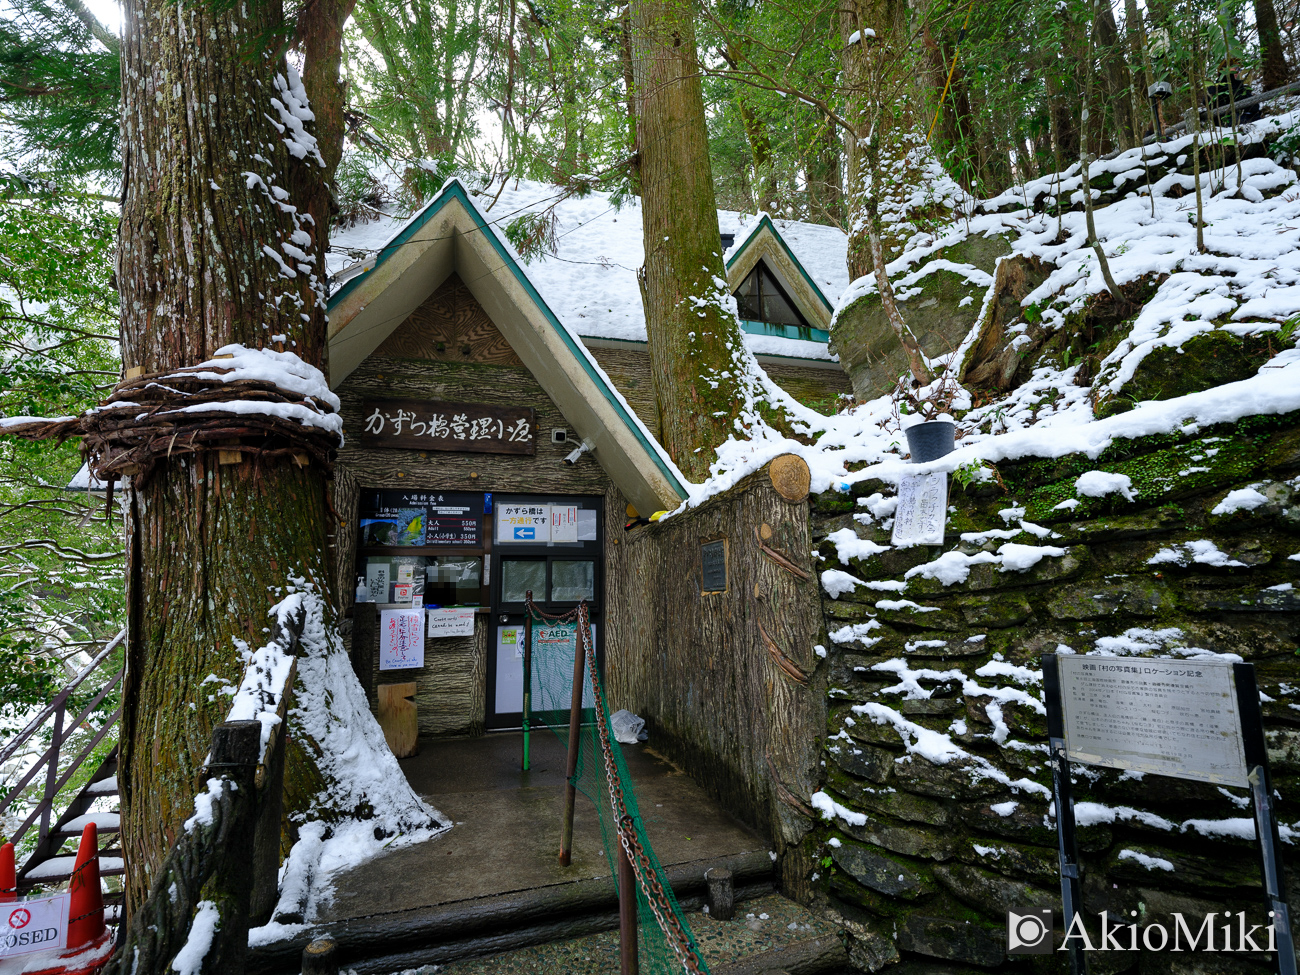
column 936, row 757
column 702, row 668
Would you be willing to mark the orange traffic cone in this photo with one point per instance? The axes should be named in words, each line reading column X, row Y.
column 8, row 875
column 86, row 905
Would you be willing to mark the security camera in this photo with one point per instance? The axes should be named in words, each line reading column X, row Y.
column 573, row 455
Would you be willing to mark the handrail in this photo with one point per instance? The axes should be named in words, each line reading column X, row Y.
column 11, row 748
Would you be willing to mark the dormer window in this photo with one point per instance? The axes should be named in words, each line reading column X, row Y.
column 761, row 298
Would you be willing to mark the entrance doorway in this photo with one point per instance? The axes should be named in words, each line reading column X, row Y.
column 554, row 546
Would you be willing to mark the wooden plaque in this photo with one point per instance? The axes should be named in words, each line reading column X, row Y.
column 479, row 428
column 713, row 566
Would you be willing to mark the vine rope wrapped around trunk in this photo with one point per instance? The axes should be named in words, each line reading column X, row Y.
column 150, row 418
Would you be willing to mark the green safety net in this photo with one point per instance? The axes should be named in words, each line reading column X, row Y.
column 666, row 945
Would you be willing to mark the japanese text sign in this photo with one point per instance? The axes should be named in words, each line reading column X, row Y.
column 461, row 427
column 401, row 639
column 1164, row 717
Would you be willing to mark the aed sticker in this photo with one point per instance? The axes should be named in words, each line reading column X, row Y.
column 510, row 636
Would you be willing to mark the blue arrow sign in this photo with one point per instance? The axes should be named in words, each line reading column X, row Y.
column 526, row 533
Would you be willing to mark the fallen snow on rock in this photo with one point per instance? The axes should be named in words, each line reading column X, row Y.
column 1244, row 499
column 1150, row 862
column 1202, row 552
column 1098, row 484
column 1022, row 558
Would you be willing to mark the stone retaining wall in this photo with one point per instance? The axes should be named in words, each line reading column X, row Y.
column 937, row 790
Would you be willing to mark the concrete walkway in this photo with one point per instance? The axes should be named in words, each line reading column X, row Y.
column 507, row 827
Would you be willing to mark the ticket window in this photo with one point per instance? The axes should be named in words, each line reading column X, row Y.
column 554, row 547
column 423, row 548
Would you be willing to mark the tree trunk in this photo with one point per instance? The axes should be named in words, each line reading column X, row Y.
column 208, row 544
column 1276, row 73
column 695, row 344
column 1116, row 79
column 825, row 183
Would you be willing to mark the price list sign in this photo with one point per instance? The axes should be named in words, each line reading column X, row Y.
column 421, row 518
column 1164, row 717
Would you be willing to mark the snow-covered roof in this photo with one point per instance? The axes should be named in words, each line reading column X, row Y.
column 590, row 281
column 453, row 235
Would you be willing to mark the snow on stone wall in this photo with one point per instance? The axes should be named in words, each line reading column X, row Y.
column 936, row 804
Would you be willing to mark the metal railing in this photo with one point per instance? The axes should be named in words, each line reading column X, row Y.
column 55, row 716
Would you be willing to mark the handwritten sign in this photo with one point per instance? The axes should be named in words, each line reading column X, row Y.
column 1164, row 717
column 401, row 639
column 922, row 510
column 421, row 518
column 39, row 924
column 451, row 621
column 481, row 428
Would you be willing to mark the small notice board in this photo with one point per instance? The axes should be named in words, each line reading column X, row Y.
column 401, row 639
column 38, row 924
column 1194, row 718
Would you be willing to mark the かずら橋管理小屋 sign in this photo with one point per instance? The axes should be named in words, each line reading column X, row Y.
column 481, row 428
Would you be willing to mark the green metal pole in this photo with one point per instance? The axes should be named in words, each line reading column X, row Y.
column 528, row 668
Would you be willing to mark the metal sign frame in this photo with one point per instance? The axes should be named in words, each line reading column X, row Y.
column 1261, row 791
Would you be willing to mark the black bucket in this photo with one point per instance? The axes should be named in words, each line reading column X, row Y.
column 931, row 440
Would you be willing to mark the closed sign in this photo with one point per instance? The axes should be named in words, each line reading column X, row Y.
column 33, row 925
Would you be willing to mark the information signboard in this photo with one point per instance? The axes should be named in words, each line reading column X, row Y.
column 421, row 519
column 713, row 566
column 38, row 924
column 529, row 522
column 922, row 510
column 1164, row 717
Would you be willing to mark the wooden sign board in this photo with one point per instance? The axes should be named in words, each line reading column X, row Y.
column 480, row 428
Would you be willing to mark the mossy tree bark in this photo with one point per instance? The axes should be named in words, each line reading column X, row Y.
column 215, row 247
column 695, row 344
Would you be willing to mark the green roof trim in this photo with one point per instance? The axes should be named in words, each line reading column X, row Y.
column 766, row 221
column 456, row 190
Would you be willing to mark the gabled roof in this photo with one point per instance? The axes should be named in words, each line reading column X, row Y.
column 590, row 280
column 764, row 243
column 451, row 234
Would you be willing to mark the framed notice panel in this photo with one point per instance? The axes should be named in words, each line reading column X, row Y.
column 481, row 428
column 420, row 519
column 1164, row 717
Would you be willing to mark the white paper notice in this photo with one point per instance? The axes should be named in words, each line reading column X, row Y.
column 377, row 581
column 586, row 525
column 451, row 621
column 401, row 639
column 922, row 510
column 1166, row 717
column 564, row 523
column 33, row 925
column 523, row 523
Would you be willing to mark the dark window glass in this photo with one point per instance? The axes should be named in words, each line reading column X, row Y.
column 760, row 298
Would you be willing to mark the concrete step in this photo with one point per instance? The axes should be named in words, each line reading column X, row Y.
column 449, row 932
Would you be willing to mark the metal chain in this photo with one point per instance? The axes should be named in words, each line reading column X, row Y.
column 646, row 876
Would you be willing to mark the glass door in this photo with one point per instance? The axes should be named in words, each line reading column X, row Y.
column 553, row 546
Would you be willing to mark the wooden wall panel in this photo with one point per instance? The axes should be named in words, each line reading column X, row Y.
column 698, row 667
column 451, row 326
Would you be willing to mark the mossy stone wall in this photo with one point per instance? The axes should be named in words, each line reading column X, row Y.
column 922, row 858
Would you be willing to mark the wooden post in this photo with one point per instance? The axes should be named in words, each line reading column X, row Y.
column 528, row 669
column 575, row 729
column 320, row 958
column 627, row 919
column 236, row 749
